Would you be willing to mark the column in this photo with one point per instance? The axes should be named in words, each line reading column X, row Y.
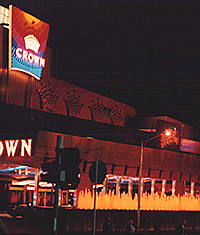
column 59, row 197
column 118, row 185
column 163, row 186
column 130, row 186
column 152, row 186
column 104, row 185
column 192, row 188
column 36, row 191
column 142, row 186
column 173, row 187
column 45, row 199
column 24, row 195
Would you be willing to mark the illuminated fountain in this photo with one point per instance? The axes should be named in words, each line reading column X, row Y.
column 111, row 201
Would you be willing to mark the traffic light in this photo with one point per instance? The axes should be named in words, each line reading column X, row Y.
column 50, row 172
column 68, row 160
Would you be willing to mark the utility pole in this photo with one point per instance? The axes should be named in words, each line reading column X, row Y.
column 95, row 198
column 59, row 145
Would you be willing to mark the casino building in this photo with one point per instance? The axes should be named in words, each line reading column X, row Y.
column 37, row 107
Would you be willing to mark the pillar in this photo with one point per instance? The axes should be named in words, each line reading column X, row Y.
column 36, row 191
column 24, row 195
column 152, row 186
column 104, row 185
column 118, row 181
column 142, row 186
column 130, row 186
column 59, row 197
column 173, row 187
column 192, row 188
column 163, row 186
column 45, row 198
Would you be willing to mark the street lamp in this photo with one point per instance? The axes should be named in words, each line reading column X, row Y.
column 167, row 132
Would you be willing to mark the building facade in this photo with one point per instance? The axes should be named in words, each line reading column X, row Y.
column 37, row 108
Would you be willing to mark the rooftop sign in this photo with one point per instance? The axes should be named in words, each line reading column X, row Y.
column 27, row 39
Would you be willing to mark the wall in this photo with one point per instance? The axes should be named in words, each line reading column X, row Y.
column 52, row 95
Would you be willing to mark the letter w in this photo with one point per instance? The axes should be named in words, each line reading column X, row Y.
column 11, row 146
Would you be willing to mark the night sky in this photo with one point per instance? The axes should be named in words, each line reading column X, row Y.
column 142, row 53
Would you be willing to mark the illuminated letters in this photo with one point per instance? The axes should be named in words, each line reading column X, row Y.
column 1, row 148
column 16, row 148
column 29, row 57
column 11, row 146
column 27, row 146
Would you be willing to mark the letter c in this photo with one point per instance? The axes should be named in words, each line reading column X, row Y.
column 19, row 52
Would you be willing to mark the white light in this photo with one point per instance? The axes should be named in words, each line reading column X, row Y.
column 167, row 133
column 32, row 43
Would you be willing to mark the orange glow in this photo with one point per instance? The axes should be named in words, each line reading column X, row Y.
column 149, row 202
column 31, row 183
column 168, row 137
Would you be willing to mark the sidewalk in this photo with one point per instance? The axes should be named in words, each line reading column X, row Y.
column 21, row 226
column 18, row 226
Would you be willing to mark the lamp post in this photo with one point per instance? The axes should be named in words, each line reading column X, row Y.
column 143, row 142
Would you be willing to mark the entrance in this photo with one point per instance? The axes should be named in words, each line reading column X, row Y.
column 18, row 189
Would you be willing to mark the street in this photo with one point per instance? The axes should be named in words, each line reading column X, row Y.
column 21, row 226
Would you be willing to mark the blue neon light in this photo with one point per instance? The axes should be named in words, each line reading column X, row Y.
column 25, row 65
column 15, row 168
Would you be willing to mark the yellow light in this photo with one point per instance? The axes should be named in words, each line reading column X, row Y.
column 168, row 137
column 167, row 133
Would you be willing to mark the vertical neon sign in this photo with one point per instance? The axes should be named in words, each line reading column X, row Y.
column 27, row 42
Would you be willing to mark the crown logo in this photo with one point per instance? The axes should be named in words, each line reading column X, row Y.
column 32, row 43
column 72, row 103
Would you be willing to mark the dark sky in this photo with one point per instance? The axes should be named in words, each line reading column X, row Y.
column 143, row 53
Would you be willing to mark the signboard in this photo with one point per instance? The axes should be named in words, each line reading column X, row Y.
column 27, row 42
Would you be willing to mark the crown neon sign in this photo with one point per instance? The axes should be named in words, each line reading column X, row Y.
column 16, row 148
column 27, row 42
column 31, row 43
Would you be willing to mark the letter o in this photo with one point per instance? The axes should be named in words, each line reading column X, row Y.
column 30, row 58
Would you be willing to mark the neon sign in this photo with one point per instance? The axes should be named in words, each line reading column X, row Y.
column 16, row 148
column 27, row 40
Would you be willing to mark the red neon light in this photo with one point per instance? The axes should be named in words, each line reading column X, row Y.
column 16, row 148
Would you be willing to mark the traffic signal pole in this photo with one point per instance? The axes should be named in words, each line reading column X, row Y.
column 59, row 145
column 64, row 173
